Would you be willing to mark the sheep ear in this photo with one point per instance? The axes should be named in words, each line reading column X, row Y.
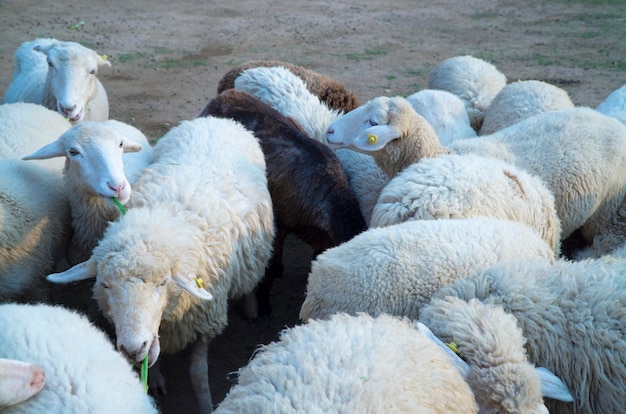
column 456, row 360
column 82, row 271
column 193, row 285
column 19, row 381
column 52, row 150
column 552, row 386
column 131, row 146
column 375, row 138
column 103, row 60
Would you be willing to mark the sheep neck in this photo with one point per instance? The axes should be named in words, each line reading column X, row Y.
column 420, row 141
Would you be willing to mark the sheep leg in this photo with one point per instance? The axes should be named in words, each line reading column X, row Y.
column 199, row 374
column 156, row 380
column 273, row 271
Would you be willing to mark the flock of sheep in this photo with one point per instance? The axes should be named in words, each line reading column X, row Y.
column 437, row 220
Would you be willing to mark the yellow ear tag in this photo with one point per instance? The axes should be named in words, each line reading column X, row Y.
column 453, row 346
column 104, row 57
column 372, row 139
column 199, row 282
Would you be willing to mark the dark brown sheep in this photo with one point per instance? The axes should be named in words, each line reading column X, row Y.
column 333, row 93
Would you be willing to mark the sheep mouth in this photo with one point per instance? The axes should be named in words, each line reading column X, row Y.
column 154, row 351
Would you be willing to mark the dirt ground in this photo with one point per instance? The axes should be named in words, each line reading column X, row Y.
column 167, row 58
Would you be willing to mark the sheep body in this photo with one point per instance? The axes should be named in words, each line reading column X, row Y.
column 35, row 228
column 26, row 127
column 396, row 269
column 200, row 220
column 445, row 112
column 356, row 364
column 60, row 76
column 90, row 377
column 311, row 195
column 334, row 94
column 573, row 316
column 474, row 80
column 288, row 94
column 520, row 100
column 453, row 187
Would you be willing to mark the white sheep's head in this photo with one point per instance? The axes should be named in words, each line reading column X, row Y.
column 494, row 360
column 93, row 152
column 19, row 381
column 138, row 279
column 370, row 127
column 72, row 71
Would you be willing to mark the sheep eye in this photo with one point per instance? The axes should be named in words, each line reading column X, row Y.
column 104, row 285
column 163, row 283
column 93, row 72
column 121, row 144
column 373, row 123
column 50, row 64
column 72, row 152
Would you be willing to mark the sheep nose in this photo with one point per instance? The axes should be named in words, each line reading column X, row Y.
column 67, row 110
column 117, row 187
column 133, row 355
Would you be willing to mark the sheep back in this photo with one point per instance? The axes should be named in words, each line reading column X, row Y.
column 84, row 374
column 520, row 100
column 356, row 364
column 396, row 269
column 35, row 228
column 463, row 186
column 333, row 93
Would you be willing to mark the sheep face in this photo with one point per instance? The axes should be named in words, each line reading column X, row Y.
column 19, row 381
column 72, row 71
column 94, row 158
column 138, row 281
column 366, row 129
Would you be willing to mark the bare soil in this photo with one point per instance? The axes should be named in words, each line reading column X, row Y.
column 167, row 58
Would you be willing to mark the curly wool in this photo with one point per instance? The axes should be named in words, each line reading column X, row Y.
column 396, row 269
column 573, row 316
column 350, row 364
column 84, row 373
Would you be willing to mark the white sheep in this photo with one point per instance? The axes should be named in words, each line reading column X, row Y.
column 35, row 228
column 452, row 186
column 60, row 76
column 199, row 227
column 83, row 372
column 472, row 79
column 396, row 269
column 445, row 112
column 101, row 160
column 520, row 100
column 572, row 315
column 578, row 153
column 288, row 94
column 615, row 104
column 26, row 127
column 362, row 364
column 350, row 364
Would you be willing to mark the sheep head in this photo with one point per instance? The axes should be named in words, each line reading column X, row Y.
column 492, row 344
column 72, row 76
column 94, row 158
column 139, row 279
column 19, row 381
